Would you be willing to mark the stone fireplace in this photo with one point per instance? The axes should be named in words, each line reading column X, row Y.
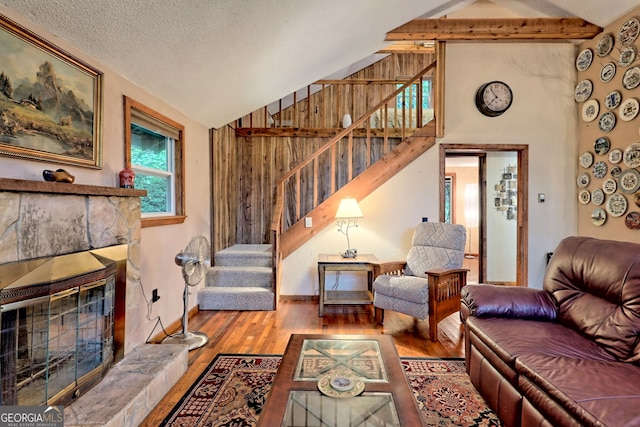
column 49, row 220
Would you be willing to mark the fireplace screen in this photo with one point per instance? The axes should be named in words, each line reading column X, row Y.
column 53, row 346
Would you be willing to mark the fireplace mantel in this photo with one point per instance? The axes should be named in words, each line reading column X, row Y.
column 28, row 186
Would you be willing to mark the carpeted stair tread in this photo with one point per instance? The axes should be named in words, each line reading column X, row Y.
column 235, row 298
column 239, row 276
column 245, row 255
column 240, row 279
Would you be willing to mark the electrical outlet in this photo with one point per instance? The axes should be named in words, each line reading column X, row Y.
column 425, row 219
column 308, row 222
column 154, row 295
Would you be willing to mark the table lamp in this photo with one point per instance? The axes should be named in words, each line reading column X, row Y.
column 347, row 216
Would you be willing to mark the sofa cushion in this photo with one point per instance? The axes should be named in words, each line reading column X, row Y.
column 593, row 391
column 596, row 286
column 512, row 338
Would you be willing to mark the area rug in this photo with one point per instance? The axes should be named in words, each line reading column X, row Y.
column 233, row 389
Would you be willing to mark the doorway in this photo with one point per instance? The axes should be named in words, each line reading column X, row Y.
column 484, row 187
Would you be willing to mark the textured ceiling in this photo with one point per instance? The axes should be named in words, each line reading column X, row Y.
column 216, row 60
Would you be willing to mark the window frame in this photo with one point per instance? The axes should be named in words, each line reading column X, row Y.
column 179, row 168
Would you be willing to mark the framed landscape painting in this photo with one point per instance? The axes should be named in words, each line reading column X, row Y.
column 50, row 101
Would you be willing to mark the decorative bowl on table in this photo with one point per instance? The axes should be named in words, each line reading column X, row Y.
column 340, row 385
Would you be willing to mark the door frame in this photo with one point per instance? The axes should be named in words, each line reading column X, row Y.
column 522, row 234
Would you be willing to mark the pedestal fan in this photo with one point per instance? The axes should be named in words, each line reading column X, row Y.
column 194, row 261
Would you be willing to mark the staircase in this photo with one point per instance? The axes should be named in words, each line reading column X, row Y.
column 241, row 279
column 313, row 189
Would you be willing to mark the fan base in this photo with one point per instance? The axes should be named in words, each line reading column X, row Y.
column 192, row 339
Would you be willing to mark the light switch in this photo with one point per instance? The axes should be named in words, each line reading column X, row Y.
column 308, row 222
column 540, row 197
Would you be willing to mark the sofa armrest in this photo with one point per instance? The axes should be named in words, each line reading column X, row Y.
column 506, row 301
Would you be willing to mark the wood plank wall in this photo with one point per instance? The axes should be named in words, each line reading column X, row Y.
column 245, row 170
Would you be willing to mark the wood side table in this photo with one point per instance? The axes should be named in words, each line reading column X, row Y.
column 327, row 262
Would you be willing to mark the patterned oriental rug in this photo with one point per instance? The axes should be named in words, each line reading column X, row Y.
column 233, row 389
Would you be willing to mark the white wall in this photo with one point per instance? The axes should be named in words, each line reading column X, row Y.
column 543, row 116
column 159, row 244
column 501, row 232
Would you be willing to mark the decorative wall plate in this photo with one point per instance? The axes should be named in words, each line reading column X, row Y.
column 628, row 109
column 631, row 156
column 616, row 171
column 583, row 90
column 607, row 72
column 627, row 56
column 615, row 156
column 629, row 181
column 599, row 170
column 597, row 197
column 586, row 159
column 584, row 197
column 631, row 78
column 632, row 220
column 628, row 32
column 602, row 145
column 584, row 59
column 607, row 122
column 609, row 186
column 605, row 45
column 636, row 199
column 598, row 217
column 583, row 180
column 590, row 110
column 616, row 205
column 613, row 99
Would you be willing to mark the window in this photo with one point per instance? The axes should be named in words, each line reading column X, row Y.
column 408, row 100
column 154, row 150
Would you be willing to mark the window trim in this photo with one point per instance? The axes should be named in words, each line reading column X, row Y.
column 179, row 190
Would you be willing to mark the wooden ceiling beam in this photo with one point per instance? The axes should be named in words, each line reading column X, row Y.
column 407, row 47
column 495, row 29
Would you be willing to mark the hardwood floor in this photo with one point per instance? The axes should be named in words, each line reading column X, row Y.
column 267, row 332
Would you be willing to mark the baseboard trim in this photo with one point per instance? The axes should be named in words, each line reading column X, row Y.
column 313, row 298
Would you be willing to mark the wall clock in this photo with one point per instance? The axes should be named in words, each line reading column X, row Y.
column 494, row 98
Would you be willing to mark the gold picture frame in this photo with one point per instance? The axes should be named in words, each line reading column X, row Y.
column 50, row 101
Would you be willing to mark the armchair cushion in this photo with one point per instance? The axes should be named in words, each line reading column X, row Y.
column 413, row 289
column 410, row 298
column 435, row 245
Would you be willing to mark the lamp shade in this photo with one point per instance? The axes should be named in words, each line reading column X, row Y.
column 349, row 209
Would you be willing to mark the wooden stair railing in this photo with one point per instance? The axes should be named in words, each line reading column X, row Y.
column 277, row 228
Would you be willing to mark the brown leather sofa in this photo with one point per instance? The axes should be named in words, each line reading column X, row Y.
column 567, row 354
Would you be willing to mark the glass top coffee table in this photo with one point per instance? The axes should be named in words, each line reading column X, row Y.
column 307, row 390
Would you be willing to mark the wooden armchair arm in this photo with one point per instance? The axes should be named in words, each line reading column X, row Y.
column 443, row 271
column 395, row 268
column 444, row 295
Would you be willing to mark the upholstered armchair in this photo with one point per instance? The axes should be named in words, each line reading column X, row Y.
column 428, row 283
